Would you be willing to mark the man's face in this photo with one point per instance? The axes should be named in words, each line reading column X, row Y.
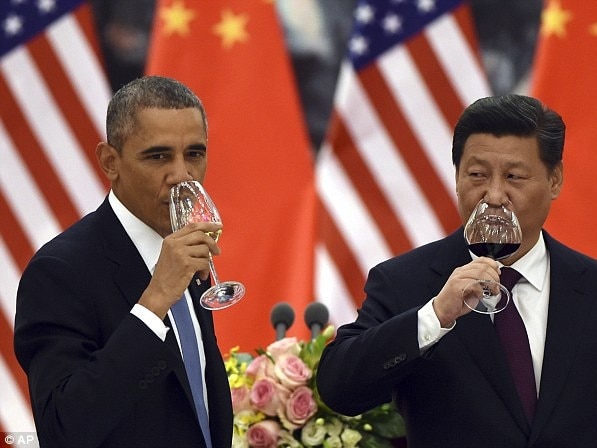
column 508, row 170
column 167, row 146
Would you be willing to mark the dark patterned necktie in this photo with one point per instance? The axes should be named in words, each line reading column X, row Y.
column 515, row 343
column 190, row 353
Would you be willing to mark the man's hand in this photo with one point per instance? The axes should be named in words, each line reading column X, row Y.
column 449, row 303
column 183, row 254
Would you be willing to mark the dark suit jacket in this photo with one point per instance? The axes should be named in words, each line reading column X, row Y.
column 98, row 376
column 461, row 393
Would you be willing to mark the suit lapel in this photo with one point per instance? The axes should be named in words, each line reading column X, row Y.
column 570, row 300
column 205, row 322
column 179, row 368
column 132, row 275
column 477, row 334
column 215, row 376
column 196, row 289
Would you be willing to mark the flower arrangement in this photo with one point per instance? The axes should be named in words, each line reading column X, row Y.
column 276, row 404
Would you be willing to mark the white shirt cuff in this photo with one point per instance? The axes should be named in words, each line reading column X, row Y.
column 430, row 330
column 154, row 323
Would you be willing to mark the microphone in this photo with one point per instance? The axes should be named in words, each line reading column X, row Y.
column 316, row 316
column 282, row 317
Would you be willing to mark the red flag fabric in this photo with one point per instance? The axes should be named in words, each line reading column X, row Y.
column 53, row 99
column 564, row 78
column 260, row 168
column 384, row 176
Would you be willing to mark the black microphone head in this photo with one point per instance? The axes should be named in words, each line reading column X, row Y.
column 316, row 313
column 282, row 313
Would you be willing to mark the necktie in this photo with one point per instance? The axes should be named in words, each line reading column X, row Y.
column 515, row 343
column 192, row 362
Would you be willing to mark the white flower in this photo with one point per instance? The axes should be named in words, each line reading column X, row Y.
column 313, row 434
column 333, row 442
column 334, row 427
column 351, row 437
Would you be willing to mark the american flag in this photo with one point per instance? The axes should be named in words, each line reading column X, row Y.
column 384, row 175
column 53, row 98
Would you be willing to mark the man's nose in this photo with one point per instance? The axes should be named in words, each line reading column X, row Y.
column 496, row 194
column 179, row 171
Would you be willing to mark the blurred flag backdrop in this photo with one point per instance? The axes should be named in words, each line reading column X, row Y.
column 384, row 176
column 564, row 78
column 53, row 98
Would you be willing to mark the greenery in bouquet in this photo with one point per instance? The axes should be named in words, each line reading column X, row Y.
column 276, row 404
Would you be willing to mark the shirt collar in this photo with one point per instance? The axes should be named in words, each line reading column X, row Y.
column 147, row 241
column 534, row 265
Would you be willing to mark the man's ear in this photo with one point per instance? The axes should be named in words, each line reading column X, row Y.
column 557, row 180
column 108, row 158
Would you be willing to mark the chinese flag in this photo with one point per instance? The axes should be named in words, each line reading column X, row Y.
column 565, row 78
column 260, row 168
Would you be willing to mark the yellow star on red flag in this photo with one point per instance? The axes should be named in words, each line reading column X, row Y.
column 554, row 19
column 232, row 28
column 176, row 18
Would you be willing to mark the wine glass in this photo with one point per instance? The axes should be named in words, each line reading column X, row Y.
column 491, row 231
column 189, row 202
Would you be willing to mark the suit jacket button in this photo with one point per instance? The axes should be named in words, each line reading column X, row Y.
column 142, row 384
column 155, row 371
column 162, row 364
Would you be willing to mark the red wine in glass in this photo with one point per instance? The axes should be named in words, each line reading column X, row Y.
column 491, row 231
column 497, row 251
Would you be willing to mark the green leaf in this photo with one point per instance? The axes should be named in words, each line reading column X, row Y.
column 373, row 441
column 385, row 421
column 243, row 357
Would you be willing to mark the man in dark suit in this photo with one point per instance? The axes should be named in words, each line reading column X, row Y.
column 416, row 342
column 94, row 331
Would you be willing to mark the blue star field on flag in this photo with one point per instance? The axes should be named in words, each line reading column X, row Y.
column 21, row 20
column 379, row 25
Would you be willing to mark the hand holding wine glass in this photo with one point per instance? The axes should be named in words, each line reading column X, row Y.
column 491, row 231
column 189, row 202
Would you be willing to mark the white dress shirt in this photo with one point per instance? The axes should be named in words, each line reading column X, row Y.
column 530, row 295
column 149, row 244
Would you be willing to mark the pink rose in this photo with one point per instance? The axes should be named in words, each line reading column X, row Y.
column 300, row 406
column 261, row 367
column 264, row 434
column 292, row 371
column 285, row 346
column 240, row 399
column 268, row 396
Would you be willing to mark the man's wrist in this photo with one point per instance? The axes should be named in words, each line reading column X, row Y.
column 150, row 319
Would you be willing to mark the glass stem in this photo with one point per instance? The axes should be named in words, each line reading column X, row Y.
column 212, row 270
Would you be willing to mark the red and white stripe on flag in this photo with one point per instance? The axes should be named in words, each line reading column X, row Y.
column 384, row 176
column 53, row 98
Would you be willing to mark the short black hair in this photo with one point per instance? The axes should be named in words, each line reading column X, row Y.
column 512, row 114
column 143, row 93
